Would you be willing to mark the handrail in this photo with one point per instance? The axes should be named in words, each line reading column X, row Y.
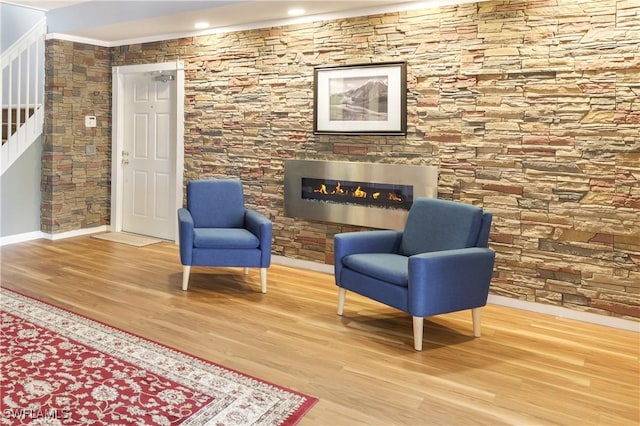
column 39, row 29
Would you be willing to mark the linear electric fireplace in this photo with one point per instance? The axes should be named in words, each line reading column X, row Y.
column 366, row 194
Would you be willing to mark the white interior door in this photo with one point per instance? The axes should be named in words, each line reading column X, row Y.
column 149, row 155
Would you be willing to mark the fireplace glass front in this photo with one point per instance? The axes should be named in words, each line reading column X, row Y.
column 372, row 194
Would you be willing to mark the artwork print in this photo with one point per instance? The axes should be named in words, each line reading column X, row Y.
column 359, row 98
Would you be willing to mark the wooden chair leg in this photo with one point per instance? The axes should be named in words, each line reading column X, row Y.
column 341, row 296
column 186, row 269
column 475, row 315
column 263, row 279
column 418, row 326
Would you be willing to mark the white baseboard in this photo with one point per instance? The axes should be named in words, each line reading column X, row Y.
column 557, row 311
column 77, row 233
column 36, row 235
column 561, row 312
column 540, row 308
column 302, row 264
column 20, row 238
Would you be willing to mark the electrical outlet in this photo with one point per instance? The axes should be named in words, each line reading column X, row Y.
column 90, row 121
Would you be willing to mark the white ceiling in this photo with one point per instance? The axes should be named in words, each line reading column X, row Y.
column 113, row 23
column 46, row 4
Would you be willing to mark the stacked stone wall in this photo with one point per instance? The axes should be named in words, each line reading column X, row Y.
column 530, row 109
column 76, row 181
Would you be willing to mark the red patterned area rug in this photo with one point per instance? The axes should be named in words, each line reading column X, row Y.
column 61, row 368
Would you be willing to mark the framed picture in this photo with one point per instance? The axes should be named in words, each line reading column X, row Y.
column 361, row 99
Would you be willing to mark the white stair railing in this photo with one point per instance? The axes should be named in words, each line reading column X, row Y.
column 22, row 94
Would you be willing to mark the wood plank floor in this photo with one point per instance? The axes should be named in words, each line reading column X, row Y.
column 526, row 369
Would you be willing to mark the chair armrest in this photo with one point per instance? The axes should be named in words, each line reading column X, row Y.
column 449, row 280
column 185, row 235
column 261, row 227
column 346, row 243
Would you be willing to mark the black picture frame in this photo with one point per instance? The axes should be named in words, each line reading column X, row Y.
column 369, row 99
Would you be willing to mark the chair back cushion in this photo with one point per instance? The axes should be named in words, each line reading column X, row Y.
column 483, row 235
column 434, row 225
column 216, row 203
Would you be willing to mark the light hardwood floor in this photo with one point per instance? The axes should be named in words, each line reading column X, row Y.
column 526, row 369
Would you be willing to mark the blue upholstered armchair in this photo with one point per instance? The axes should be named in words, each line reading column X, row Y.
column 439, row 263
column 215, row 229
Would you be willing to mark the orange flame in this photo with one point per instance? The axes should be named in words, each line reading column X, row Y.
column 322, row 190
column 338, row 189
column 359, row 193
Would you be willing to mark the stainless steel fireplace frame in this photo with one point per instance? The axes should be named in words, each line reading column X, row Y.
column 424, row 180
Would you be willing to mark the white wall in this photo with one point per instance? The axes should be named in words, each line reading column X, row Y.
column 15, row 21
column 20, row 193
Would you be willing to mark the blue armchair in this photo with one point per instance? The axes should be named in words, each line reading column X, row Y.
column 439, row 263
column 215, row 229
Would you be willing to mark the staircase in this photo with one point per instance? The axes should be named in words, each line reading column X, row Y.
column 22, row 94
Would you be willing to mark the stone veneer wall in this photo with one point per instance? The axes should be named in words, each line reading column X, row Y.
column 76, row 185
column 529, row 109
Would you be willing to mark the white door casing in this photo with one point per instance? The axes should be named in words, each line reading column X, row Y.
column 147, row 149
column 147, row 155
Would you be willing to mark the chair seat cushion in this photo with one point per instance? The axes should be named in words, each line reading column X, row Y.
column 392, row 268
column 224, row 238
